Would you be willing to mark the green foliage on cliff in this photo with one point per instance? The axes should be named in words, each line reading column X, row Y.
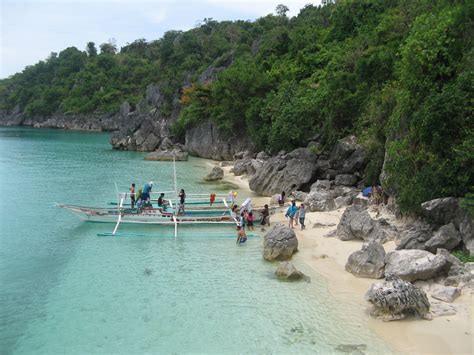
column 397, row 73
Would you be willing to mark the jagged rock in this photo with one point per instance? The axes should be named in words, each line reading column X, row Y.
column 288, row 271
column 414, row 236
column 344, row 191
column 320, row 201
column 226, row 163
column 395, row 299
column 445, row 293
column 442, row 211
column 368, row 262
column 299, row 195
column 411, row 265
column 279, row 243
column 447, row 237
column 345, row 179
column 166, row 144
column 241, row 166
column 263, row 156
column 167, row 155
column 355, row 223
column 440, row 309
column 216, row 174
column 347, row 156
column 342, row 201
column 254, row 165
column 292, row 171
column 360, row 200
column 321, row 185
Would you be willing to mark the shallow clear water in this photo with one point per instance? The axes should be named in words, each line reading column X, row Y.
column 65, row 290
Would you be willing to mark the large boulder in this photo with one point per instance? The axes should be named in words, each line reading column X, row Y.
column 414, row 236
column 280, row 243
column 321, row 185
column 368, row 262
column 355, row 223
column 288, row 271
column 345, row 179
column 396, row 299
column 288, row 172
column 442, row 211
column 447, row 237
column 216, row 174
column 445, row 293
column 320, row 201
column 412, row 265
column 347, row 156
column 241, row 166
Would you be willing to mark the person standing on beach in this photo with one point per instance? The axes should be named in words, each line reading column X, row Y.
column 290, row 213
column 281, row 199
column 132, row 196
column 302, row 215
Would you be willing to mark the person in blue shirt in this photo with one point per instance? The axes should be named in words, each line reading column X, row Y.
column 290, row 213
column 146, row 191
column 302, row 216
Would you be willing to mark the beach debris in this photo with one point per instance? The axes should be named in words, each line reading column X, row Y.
column 412, row 265
column 354, row 349
column 288, row 271
column 396, row 299
column 280, row 243
column 445, row 293
column 216, row 174
column 369, row 262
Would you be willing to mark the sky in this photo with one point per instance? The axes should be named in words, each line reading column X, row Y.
column 32, row 29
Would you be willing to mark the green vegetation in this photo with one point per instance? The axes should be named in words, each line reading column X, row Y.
column 397, row 73
column 464, row 256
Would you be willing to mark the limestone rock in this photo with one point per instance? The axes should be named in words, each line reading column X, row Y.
column 414, row 236
column 263, row 156
column 395, row 299
column 447, row 237
column 345, row 179
column 321, row 185
column 216, row 174
column 368, row 262
column 279, row 243
column 241, row 166
column 320, row 201
column 348, row 156
column 167, row 155
column 342, row 201
column 355, row 223
column 445, row 293
column 411, row 265
column 299, row 195
column 440, row 309
column 288, row 271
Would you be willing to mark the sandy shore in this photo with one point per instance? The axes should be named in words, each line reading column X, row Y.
column 328, row 256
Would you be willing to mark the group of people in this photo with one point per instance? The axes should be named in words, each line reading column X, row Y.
column 246, row 218
column 142, row 198
column 295, row 215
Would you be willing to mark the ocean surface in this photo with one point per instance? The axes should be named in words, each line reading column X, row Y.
column 64, row 290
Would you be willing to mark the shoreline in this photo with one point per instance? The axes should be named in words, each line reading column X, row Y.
column 327, row 257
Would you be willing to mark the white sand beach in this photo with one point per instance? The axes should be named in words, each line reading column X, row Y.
column 328, row 256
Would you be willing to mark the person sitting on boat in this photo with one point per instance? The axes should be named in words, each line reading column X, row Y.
column 162, row 203
column 132, row 196
column 146, row 191
column 182, row 198
column 241, row 236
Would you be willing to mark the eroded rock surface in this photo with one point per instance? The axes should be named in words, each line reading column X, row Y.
column 368, row 262
column 411, row 265
column 288, row 271
column 280, row 243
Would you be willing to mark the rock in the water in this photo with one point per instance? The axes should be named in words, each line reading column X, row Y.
column 447, row 237
column 355, row 223
column 345, row 179
column 368, row 262
column 395, row 299
column 320, row 201
column 216, row 174
column 411, row 265
column 288, row 271
column 167, row 155
column 445, row 293
column 353, row 349
column 279, row 243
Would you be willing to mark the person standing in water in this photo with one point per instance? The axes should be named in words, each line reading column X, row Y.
column 241, row 236
column 132, row 196
column 265, row 216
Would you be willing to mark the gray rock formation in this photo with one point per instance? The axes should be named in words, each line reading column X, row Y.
column 411, row 265
column 286, row 270
column 279, row 243
column 442, row 211
column 167, row 155
column 207, row 141
column 345, row 179
column 396, row 299
column 216, row 174
column 321, row 185
column 299, row 195
column 347, row 156
column 369, row 262
column 320, row 201
column 440, row 309
column 445, row 293
column 342, row 201
column 292, row 171
column 447, row 237
column 355, row 223
column 414, row 236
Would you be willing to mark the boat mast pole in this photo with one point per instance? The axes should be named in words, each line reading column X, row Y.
column 176, row 198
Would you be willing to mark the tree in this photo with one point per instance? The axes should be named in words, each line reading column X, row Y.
column 108, row 47
column 281, row 10
column 91, row 50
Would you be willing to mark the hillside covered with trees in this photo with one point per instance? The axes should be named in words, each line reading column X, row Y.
column 397, row 73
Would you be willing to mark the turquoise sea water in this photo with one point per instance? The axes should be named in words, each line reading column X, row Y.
column 66, row 291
